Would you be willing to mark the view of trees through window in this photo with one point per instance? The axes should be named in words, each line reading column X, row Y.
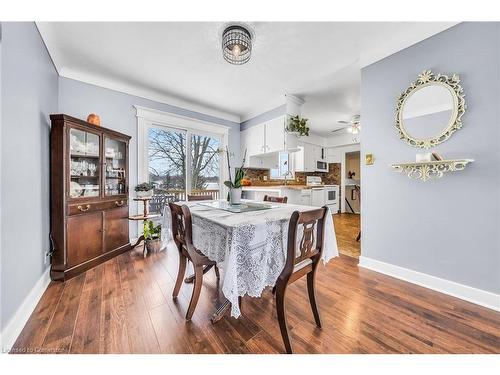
column 167, row 161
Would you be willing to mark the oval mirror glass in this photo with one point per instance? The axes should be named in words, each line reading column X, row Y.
column 428, row 111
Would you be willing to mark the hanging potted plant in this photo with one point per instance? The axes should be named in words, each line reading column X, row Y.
column 144, row 190
column 152, row 236
column 298, row 126
column 235, row 185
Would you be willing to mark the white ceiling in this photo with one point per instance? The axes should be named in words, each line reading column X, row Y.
column 182, row 64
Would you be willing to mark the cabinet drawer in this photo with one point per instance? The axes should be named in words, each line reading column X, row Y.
column 79, row 208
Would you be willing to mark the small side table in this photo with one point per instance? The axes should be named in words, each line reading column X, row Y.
column 141, row 217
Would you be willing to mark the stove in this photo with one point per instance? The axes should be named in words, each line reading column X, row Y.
column 320, row 195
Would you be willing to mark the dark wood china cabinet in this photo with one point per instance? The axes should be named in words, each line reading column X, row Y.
column 89, row 195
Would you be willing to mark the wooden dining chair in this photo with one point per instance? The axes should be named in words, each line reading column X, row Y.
column 270, row 198
column 300, row 262
column 182, row 230
column 204, row 197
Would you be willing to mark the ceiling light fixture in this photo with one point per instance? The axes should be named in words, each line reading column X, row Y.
column 354, row 125
column 236, row 45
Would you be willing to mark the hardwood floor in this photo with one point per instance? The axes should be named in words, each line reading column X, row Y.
column 346, row 229
column 125, row 306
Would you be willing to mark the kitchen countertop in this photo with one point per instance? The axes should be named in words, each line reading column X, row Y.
column 275, row 187
column 278, row 187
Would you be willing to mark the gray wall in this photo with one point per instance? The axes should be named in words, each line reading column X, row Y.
column 266, row 116
column 30, row 91
column 29, row 95
column 116, row 110
column 448, row 228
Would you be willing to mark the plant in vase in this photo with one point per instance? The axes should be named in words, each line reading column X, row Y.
column 235, row 185
column 152, row 236
column 298, row 125
column 144, row 190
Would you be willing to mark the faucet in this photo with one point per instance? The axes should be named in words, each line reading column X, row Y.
column 287, row 173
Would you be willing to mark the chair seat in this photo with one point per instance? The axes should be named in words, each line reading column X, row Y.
column 302, row 264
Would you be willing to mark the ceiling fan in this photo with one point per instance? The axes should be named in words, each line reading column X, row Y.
column 354, row 125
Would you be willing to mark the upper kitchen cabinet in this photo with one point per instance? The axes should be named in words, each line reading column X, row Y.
column 275, row 135
column 253, row 140
column 264, row 138
column 304, row 159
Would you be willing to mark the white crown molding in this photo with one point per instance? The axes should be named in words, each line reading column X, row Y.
column 294, row 99
column 145, row 93
column 16, row 324
column 179, row 121
column 467, row 293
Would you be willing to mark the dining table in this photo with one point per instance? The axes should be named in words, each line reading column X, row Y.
column 248, row 242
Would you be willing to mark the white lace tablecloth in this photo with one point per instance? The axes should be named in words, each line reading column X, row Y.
column 249, row 248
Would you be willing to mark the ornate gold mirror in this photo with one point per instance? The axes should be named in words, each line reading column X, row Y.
column 430, row 110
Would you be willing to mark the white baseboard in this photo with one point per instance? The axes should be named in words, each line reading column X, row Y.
column 18, row 321
column 467, row 293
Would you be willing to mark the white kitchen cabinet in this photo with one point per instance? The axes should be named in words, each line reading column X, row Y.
column 318, row 197
column 253, row 140
column 305, row 197
column 318, row 152
column 265, row 138
column 275, row 135
column 305, row 160
column 333, row 155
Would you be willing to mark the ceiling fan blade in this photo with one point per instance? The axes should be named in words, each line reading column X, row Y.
column 338, row 130
column 343, row 122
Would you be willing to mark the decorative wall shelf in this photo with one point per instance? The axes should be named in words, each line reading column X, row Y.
column 428, row 170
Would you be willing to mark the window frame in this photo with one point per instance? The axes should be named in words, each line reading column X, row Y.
column 291, row 176
column 150, row 118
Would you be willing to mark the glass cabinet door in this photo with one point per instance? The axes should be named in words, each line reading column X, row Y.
column 115, row 152
column 84, row 164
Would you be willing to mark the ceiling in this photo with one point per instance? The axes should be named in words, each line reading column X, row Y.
column 181, row 63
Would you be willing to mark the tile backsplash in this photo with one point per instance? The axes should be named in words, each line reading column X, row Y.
column 262, row 176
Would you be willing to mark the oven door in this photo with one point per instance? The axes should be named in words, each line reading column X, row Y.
column 332, row 195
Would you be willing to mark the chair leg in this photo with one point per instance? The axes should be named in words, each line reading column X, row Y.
column 180, row 275
column 312, row 297
column 217, row 273
column 280, row 309
column 198, row 281
column 190, row 279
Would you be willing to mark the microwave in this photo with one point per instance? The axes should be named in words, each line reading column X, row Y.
column 321, row 166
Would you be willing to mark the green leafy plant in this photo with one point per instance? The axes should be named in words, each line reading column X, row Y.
column 239, row 173
column 298, row 124
column 145, row 186
column 151, row 232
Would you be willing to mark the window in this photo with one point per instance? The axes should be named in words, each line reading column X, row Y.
column 205, row 165
column 283, row 169
column 167, row 159
column 179, row 156
column 180, row 163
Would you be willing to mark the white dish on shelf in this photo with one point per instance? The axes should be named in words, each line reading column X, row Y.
column 75, row 189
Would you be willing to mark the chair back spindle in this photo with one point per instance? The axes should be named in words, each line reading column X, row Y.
column 310, row 245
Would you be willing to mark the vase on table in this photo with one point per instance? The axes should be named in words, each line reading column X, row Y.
column 235, row 196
